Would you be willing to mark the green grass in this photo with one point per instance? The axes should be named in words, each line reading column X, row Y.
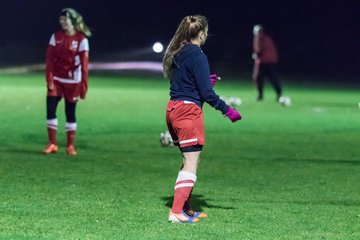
column 280, row 173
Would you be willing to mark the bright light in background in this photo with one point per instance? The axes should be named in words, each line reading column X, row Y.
column 158, row 47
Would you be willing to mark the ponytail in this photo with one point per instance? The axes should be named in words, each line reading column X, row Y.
column 187, row 30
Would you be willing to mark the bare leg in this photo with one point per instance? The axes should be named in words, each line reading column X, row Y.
column 191, row 161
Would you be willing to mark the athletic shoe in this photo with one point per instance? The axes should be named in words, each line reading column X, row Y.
column 181, row 218
column 50, row 148
column 194, row 214
column 71, row 150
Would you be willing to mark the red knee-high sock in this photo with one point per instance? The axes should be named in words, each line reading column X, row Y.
column 70, row 138
column 70, row 133
column 183, row 187
column 52, row 135
column 187, row 202
column 52, row 125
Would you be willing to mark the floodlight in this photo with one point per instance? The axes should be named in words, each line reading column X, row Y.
column 158, row 47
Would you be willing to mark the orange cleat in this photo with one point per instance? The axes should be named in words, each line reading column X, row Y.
column 70, row 150
column 194, row 214
column 181, row 218
column 50, row 148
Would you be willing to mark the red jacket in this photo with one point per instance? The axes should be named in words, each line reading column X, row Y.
column 67, row 60
column 265, row 49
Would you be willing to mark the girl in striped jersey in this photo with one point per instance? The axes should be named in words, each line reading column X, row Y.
column 66, row 75
column 190, row 86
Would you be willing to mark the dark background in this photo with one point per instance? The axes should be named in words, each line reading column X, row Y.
column 314, row 38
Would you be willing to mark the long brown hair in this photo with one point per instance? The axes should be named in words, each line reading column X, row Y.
column 77, row 20
column 187, row 30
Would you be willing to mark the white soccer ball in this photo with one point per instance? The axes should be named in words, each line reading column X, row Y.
column 359, row 105
column 166, row 140
column 236, row 101
column 285, row 101
column 232, row 101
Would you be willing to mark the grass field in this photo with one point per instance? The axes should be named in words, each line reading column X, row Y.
column 280, row 173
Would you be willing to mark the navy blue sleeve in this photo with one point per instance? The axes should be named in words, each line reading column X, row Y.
column 201, row 73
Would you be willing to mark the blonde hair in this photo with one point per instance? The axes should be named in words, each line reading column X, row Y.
column 187, row 30
column 77, row 20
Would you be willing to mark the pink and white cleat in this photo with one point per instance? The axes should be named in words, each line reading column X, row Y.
column 70, row 150
column 50, row 148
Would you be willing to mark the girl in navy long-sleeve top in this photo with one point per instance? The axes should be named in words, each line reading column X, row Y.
column 190, row 86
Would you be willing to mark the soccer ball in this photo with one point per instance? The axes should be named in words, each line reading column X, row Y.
column 232, row 101
column 166, row 140
column 285, row 101
column 237, row 101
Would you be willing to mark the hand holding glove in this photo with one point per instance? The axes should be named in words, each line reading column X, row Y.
column 233, row 115
column 213, row 79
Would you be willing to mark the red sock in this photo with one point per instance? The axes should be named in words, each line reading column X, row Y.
column 70, row 133
column 52, row 125
column 70, row 138
column 183, row 187
column 187, row 202
column 52, row 135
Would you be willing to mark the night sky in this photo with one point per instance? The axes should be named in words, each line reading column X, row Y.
column 313, row 37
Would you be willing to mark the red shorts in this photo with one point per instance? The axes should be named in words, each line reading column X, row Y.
column 185, row 123
column 69, row 91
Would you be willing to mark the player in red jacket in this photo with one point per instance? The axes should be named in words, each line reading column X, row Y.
column 265, row 59
column 66, row 75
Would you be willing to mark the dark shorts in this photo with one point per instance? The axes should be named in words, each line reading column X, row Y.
column 185, row 123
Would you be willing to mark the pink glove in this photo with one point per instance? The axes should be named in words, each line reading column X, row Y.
column 233, row 115
column 213, row 79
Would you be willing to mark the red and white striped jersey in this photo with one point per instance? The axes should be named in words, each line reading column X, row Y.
column 67, row 59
